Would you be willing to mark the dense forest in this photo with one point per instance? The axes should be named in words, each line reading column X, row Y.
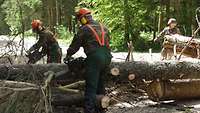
column 136, row 20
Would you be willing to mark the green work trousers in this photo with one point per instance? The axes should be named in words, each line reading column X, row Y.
column 96, row 64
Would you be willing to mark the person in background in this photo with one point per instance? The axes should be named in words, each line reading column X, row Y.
column 171, row 29
column 47, row 42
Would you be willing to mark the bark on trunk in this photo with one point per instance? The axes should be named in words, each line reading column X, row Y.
column 77, row 99
column 181, row 42
column 154, row 70
column 32, row 73
column 124, row 71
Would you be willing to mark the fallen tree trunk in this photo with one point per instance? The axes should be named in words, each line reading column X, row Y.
column 180, row 41
column 28, row 72
column 155, row 70
column 174, row 90
column 121, row 71
column 77, row 99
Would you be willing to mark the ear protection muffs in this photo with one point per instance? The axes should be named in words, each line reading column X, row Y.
column 83, row 20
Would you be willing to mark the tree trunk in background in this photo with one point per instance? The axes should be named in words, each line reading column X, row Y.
column 187, row 17
column 126, row 26
column 160, row 22
column 52, row 14
column 22, row 26
column 155, row 27
column 69, row 22
column 44, row 12
column 177, row 7
column 69, row 10
column 168, row 9
column 198, row 3
column 58, row 12
column 191, row 17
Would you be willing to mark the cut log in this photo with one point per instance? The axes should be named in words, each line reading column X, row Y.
column 154, row 70
column 190, row 51
column 131, row 77
column 77, row 99
column 180, row 42
column 125, row 70
column 173, row 90
column 114, row 71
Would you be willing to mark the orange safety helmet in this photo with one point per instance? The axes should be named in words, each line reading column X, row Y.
column 36, row 23
column 82, row 12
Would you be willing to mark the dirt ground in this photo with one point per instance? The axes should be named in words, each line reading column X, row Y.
column 145, row 106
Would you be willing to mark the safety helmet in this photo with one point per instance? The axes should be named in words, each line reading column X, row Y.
column 171, row 20
column 82, row 12
column 36, row 23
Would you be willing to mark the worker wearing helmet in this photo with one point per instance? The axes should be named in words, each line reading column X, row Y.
column 47, row 42
column 94, row 38
column 171, row 29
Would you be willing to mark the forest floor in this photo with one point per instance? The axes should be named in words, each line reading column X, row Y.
column 139, row 103
column 133, row 102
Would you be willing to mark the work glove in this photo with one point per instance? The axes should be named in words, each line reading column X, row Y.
column 67, row 59
column 156, row 40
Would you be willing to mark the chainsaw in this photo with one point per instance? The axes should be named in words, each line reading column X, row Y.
column 75, row 64
column 35, row 56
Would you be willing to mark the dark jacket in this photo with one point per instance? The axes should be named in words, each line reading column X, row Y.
column 168, row 31
column 49, row 45
column 86, row 39
column 46, row 39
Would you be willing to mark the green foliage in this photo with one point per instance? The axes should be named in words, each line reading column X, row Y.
column 142, row 17
column 63, row 33
column 117, row 41
column 4, row 28
column 145, row 42
column 111, row 13
column 20, row 12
